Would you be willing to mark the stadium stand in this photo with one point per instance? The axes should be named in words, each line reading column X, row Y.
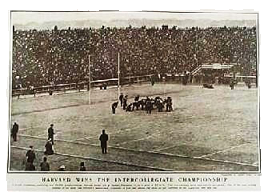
column 60, row 56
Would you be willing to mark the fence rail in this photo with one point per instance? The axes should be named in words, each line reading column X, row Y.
column 84, row 85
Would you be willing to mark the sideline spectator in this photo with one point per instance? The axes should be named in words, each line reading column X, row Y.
column 45, row 165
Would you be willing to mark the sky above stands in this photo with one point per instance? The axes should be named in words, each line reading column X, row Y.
column 24, row 18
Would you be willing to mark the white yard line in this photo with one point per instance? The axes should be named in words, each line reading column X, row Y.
column 26, row 129
column 164, row 148
column 97, row 159
column 256, row 163
column 57, row 133
column 86, row 138
column 125, row 142
column 222, row 151
column 157, row 153
column 111, row 134
column 44, row 134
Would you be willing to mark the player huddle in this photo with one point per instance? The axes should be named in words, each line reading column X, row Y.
column 147, row 104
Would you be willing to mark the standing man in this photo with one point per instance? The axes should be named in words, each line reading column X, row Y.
column 103, row 140
column 152, row 81
column 82, row 167
column 160, row 105
column 114, row 106
column 45, row 165
column 148, row 106
column 14, row 131
column 121, row 99
column 232, row 84
column 169, row 107
column 30, row 155
column 51, row 133
column 125, row 102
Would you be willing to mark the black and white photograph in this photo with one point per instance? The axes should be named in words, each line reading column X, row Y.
column 134, row 92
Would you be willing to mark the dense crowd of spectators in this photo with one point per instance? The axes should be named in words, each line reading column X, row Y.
column 44, row 57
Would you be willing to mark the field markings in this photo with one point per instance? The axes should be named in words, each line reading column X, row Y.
column 164, row 148
column 205, row 159
column 26, row 129
column 111, row 134
column 224, row 150
column 44, row 134
column 256, row 163
column 85, row 138
column 86, row 104
column 135, row 140
column 49, row 109
column 62, row 140
column 154, row 152
column 58, row 133
column 97, row 159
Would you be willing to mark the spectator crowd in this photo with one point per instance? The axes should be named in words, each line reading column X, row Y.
column 59, row 56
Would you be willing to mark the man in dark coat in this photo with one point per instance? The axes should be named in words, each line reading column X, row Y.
column 30, row 166
column 82, row 167
column 48, row 148
column 125, row 102
column 169, row 107
column 14, row 131
column 51, row 134
column 148, row 106
column 121, row 97
column 232, row 83
column 30, row 155
column 103, row 140
column 113, row 107
column 160, row 105
column 152, row 82
column 45, row 165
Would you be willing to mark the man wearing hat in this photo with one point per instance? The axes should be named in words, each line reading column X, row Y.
column 103, row 140
column 51, row 134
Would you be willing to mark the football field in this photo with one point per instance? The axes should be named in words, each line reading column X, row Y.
column 209, row 130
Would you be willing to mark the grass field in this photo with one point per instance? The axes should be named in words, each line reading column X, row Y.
column 209, row 130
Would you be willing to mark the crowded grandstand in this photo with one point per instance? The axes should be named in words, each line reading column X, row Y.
column 61, row 56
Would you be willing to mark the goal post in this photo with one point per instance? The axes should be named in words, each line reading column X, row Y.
column 118, row 72
column 108, row 81
column 90, row 84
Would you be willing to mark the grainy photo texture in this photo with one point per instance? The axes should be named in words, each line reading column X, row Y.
column 134, row 91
